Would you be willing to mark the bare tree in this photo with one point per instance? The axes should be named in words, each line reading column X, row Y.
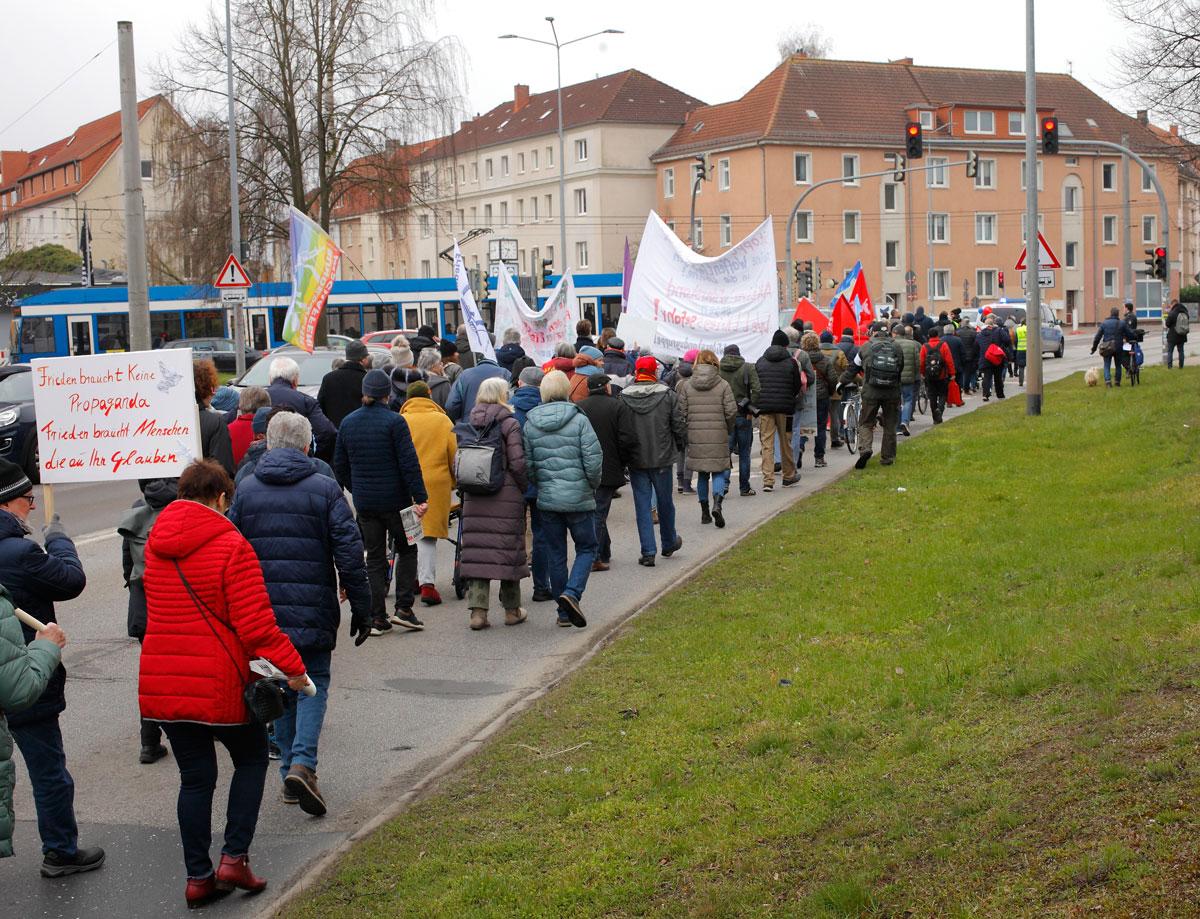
column 808, row 39
column 1161, row 64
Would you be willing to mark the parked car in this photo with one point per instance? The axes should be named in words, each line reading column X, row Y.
column 384, row 336
column 218, row 350
column 18, row 426
column 313, row 367
column 1053, row 340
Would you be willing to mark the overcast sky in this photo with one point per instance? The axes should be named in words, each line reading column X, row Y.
column 714, row 51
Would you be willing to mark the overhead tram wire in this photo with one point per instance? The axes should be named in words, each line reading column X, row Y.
column 64, row 82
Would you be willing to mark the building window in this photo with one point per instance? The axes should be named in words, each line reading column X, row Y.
column 939, row 284
column 891, row 253
column 926, row 119
column 1110, row 282
column 1149, row 229
column 549, row 207
column 487, row 215
column 504, row 165
column 726, row 231
column 1108, row 176
column 549, row 157
column 804, row 223
column 1071, row 255
column 147, row 172
column 581, row 153
column 474, row 216
column 985, row 228
column 488, row 170
column 850, row 226
column 533, row 160
column 802, row 166
column 581, row 254
column 669, row 183
column 520, row 210
column 533, row 210
column 1109, row 223
column 1039, row 174
column 425, row 231
column 520, row 162
column 462, row 175
column 849, row 168
column 475, row 172
column 698, row 241
column 580, row 201
column 937, row 176
column 426, row 268
column 1016, row 123
column 985, row 175
column 723, row 174
column 1147, row 182
column 889, row 196
column 976, row 122
column 503, row 213
column 1071, row 199
column 939, row 228
column 985, row 283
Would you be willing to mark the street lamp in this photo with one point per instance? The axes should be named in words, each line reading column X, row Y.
column 562, row 153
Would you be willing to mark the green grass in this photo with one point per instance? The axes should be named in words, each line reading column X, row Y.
column 991, row 709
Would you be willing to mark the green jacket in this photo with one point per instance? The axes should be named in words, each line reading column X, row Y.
column 911, row 352
column 854, row 373
column 24, row 672
column 732, row 371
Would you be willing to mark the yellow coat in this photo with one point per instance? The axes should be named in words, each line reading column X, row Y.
column 433, row 436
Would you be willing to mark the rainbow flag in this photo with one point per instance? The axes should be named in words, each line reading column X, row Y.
column 315, row 261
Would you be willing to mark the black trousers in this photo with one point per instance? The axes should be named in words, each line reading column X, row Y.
column 992, row 375
column 938, row 391
column 375, row 528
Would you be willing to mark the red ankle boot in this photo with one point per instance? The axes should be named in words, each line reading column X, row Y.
column 430, row 595
column 235, row 872
column 202, row 891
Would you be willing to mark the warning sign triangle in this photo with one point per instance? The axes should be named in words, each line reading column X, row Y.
column 232, row 274
column 1046, row 256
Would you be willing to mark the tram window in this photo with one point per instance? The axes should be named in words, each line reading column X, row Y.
column 379, row 317
column 112, row 332
column 165, row 322
column 204, row 324
column 37, row 335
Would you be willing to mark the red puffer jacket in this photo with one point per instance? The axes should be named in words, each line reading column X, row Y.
column 186, row 674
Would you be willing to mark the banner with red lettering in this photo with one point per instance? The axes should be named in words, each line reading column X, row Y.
column 102, row 417
column 679, row 299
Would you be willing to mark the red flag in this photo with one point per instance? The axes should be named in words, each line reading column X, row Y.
column 862, row 300
column 843, row 318
column 807, row 311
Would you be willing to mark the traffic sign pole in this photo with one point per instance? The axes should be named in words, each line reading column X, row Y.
column 1033, row 298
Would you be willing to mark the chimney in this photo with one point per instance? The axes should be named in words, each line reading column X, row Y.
column 1174, row 130
column 1143, row 116
column 906, row 61
column 520, row 97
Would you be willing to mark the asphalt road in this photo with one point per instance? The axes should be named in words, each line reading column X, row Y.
column 399, row 706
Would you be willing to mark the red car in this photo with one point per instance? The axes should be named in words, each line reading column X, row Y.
column 385, row 336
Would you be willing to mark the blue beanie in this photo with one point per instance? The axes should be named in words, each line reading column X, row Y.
column 225, row 399
column 827, row 337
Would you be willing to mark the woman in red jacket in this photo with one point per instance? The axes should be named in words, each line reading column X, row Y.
column 199, row 569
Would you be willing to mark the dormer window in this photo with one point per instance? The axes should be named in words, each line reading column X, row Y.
column 979, row 122
column 926, row 119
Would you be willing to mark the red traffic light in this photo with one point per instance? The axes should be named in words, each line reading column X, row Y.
column 1049, row 124
column 1160, row 252
column 914, row 130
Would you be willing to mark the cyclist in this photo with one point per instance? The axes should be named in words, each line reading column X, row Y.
column 879, row 362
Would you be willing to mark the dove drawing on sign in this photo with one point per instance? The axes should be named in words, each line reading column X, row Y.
column 170, row 379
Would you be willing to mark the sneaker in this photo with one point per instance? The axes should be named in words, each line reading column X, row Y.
column 779, row 467
column 905, row 431
column 886, row 462
column 379, row 626
column 152, row 754
column 302, row 782
column 863, row 459
column 770, row 486
column 287, row 797
column 748, row 493
column 430, row 595
column 273, row 751
column 820, row 462
column 563, row 622
column 542, row 594
column 788, row 483
column 667, row 553
column 688, row 490
column 407, row 619
column 569, row 605
column 479, row 620
column 646, row 561
column 56, row 865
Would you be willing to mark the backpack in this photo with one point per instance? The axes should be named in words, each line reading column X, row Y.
column 479, row 464
column 1182, row 322
column 884, row 364
column 935, row 364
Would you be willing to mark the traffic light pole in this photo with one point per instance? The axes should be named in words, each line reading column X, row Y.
column 1033, row 246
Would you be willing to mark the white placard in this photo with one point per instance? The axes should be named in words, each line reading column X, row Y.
column 541, row 329
column 103, row 417
column 679, row 299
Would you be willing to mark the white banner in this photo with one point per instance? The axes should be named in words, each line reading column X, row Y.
column 679, row 299
column 541, row 329
column 103, row 417
column 477, row 332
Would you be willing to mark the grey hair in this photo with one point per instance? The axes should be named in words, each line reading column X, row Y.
column 908, row 331
column 338, row 363
column 948, row 329
column 379, row 359
column 252, row 399
column 512, row 336
column 399, row 342
column 493, row 391
column 427, row 358
column 563, row 349
column 289, row 429
column 461, row 332
column 793, row 335
column 555, row 387
column 284, row 368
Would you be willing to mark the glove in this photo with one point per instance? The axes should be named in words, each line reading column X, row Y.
column 1093, row 350
column 54, row 529
column 360, row 625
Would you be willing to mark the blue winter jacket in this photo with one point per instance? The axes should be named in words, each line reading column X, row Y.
column 562, row 457
column 466, row 387
column 36, row 578
column 324, row 432
column 1113, row 329
column 302, row 529
column 524, row 398
column 376, row 462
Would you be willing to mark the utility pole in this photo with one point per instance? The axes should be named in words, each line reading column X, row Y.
column 235, row 217
column 135, row 208
column 1033, row 246
column 1126, row 242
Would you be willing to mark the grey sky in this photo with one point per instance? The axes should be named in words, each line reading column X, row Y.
column 714, row 51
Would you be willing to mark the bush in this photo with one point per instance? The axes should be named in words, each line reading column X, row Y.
column 1190, row 294
column 51, row 257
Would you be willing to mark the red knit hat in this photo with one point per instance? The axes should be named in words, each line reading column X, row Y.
column 646, row 370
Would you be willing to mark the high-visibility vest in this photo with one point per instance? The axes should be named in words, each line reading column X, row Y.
column 1022, row 332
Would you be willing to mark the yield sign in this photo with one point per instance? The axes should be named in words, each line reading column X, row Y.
column 232, row 274
column 1046, row 257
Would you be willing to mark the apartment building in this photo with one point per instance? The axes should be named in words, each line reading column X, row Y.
column 500, row 172
column 937, row 238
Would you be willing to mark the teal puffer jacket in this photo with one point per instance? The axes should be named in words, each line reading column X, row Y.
column 24, row 672
column 563, row 457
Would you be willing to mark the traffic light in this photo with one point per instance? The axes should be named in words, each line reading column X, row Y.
column 1151, row 263
column 815, row 274
column 1000, row 279
column 1049, row 134
column 914, row 143
column 803, row 279
column 972, row 164
column 547, row 270
column 1160, row 263
column 901, row 163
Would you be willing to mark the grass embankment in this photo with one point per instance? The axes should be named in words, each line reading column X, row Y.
column 974, row 697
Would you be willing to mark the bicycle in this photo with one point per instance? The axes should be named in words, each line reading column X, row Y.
column 851, row 408
column 922, row 396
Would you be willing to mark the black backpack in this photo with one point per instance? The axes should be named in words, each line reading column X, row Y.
column 479, row 464
column 884, row 364
column 935, row 364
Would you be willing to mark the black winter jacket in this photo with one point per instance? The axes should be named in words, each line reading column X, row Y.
column 612, row 421
column 214, row 439
column 779, row 377
column 966, row 335
column 958, row 351
column 376, row 460
column 657, row 422
column 507, row 354
column 341, row 392
column 1174, row 338
column 282, row 393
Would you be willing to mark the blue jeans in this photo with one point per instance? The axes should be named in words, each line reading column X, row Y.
column 908, row 402
column 720, row 483
column 299, row 728
column 799, row 441
column 1109, row 361
column 539, row 564
column 604, row 497
column 647, row 483
column 822, row 421
column 41, row 747
column 740, row 442
column 582, row 527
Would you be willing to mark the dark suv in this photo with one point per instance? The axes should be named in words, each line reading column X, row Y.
column 218, row 350
column 18, row 426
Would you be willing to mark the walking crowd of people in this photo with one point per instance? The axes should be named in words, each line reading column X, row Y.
column 254, row 549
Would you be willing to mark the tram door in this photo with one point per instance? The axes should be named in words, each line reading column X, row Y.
column 79, row 331
column 258, row 329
